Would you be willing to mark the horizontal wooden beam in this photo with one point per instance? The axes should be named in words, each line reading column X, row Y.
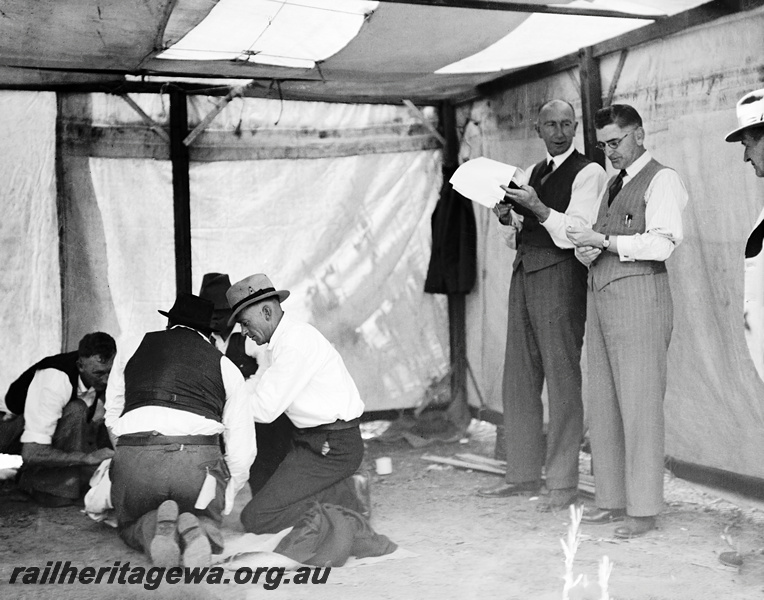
column 700, row 15
column 527, row 7
column 142, row 142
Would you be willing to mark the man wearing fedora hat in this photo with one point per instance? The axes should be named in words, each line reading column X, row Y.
column 749, row 132
column 167, row 406
column 308, row 381
column 273, row 439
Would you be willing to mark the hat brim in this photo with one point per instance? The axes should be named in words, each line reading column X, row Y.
column 737, row 134
column 282, row 295
column 182, row 321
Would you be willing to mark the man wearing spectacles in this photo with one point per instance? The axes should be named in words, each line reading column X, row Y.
column 629, row 316
column 546, row 314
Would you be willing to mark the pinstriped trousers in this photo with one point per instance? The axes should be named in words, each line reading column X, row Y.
column 545, row 331
column 629, row 324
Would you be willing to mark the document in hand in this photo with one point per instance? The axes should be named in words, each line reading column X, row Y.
column 479, row 180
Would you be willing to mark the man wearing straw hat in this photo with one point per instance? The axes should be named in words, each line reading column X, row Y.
column 308, row 381
column 750, row 132
column 273, row 439
column 168, row 406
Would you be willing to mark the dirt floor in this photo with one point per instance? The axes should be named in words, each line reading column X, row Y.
column 466, row 546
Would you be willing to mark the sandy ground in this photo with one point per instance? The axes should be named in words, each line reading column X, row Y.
column 466, row 546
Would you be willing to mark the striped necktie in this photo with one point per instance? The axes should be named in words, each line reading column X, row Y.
column 615, row 187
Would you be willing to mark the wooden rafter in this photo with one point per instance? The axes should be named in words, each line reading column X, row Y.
column 527, row 7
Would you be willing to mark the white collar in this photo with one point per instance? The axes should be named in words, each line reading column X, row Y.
column 560, row 158
column 638, row 165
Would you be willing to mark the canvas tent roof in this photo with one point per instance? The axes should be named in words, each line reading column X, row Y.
column 425, row 50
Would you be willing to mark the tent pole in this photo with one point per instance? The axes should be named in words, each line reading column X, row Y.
column 61, row 212
column 458, row 410
column 181, row 194
column 591, row 101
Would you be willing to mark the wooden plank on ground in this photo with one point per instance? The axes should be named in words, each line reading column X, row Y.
column 454, row 462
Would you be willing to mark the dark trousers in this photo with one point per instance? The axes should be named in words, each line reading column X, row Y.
column 308, row 475
column 73, row 434
column 274, row 441
column 145, row 476
column 547, row 315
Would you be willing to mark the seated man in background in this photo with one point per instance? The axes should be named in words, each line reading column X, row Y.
column 167, row 406
column 64, row 438
column 273, row 439
column 308, row 381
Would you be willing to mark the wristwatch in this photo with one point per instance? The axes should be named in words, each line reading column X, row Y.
column 606, row 242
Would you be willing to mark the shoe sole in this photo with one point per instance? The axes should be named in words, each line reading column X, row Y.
column 512, row 495
column 197, row 551
column 164, row 550
column 607, row 522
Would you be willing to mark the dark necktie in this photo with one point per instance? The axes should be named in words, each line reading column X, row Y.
column 546, row 172
column 615, row 187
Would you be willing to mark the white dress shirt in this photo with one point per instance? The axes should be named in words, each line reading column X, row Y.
column 665, row 200
column 237, row 426
column 306, row 378
column 48, row 394
column 585, row 193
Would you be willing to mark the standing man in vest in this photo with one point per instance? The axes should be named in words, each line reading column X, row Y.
column 64, row 438
column 547, row 312
column 167, row 406
column 308, row 381
column 630, row 314
column 274, row 440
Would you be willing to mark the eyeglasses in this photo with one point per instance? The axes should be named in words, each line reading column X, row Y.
column 613, row 144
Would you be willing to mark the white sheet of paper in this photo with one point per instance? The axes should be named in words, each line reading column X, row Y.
column 479, row 180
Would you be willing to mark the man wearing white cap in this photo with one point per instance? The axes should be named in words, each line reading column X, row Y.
column 308, row 381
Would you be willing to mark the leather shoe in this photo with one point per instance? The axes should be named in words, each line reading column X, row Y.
column 600, row 516
column 731, row 559
column 164, row 550
column 634, row 527
column 559, row 499
column 197, row 551
column 505, row 490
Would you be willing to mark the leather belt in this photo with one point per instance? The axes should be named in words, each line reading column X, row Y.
column 155, row 439
column 338, row 425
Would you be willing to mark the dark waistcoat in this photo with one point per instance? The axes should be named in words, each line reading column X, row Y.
column 16, row 397
column 176, row 368
column 535, row 248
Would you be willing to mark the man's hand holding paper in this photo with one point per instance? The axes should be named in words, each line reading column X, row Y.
column 482, row 180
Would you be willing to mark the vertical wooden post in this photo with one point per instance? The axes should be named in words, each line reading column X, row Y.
column 181, row 194
column 591, row 101
column 63, row 230
column 458, row 410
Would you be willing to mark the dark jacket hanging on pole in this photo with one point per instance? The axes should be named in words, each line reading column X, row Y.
column 453, row 261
